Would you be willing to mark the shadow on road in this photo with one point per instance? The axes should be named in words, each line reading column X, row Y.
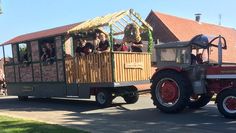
column 86, row 114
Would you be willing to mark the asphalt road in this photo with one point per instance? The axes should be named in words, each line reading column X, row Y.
column 121, row 117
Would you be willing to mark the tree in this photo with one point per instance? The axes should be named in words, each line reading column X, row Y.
column 0, row 7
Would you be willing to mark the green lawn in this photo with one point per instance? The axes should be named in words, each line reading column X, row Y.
column 14, row 125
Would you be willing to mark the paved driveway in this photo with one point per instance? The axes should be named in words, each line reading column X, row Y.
column 139, row 117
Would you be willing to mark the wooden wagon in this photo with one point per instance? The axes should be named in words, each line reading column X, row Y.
column 106, row 75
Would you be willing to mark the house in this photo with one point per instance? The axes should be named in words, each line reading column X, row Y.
column 168, row 28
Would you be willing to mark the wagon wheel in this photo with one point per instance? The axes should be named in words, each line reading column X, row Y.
column 199, row 101
column 23, row 98
column 226, row 103
column 132, row 96
column 104, row 98
column 170, row 92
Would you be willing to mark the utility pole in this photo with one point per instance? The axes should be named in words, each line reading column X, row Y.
column 219, row 19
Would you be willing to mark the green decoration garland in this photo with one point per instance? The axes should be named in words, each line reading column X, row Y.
column 111, row 39
column 150, row 41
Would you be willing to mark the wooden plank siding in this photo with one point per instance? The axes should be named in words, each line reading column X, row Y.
column 97, row 68
column 89, row 69
column 70, row 70
column 132, row 66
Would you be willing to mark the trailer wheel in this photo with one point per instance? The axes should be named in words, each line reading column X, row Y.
column 23, row 98
column 170, row 92
column 227, row 103
column 199, row 101
column 132, row 96
column 104, row 98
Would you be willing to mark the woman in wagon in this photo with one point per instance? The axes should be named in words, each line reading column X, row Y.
column 45, row 54
column 84, row 48
column 103, row 45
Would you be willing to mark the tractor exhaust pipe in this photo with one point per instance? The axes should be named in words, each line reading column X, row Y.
column 220, row 50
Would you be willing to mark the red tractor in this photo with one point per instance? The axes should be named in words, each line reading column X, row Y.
column 186, row 77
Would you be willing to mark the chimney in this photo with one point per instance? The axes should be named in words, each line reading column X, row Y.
column 198, row 17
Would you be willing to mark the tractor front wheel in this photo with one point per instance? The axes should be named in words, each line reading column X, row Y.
column 226, row 103
column 170, row 91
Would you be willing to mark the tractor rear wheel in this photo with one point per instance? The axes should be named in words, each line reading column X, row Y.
column 226, row 103
column 170, row 92
column 199, row 101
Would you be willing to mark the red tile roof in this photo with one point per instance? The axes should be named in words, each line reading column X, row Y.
column 41, row 34
column 185, row 29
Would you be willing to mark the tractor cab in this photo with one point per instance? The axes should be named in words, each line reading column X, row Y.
column 192, row 58
column 173, row 54
column 184, row 54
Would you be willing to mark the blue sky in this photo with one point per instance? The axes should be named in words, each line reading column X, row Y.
column 25, row 16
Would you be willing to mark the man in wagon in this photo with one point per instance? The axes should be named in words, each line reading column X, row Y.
column 84, row 48
column 137, row 46
column 103, row 45
column 52, row 53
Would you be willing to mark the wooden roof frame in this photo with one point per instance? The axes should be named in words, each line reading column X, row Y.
column 112, row 20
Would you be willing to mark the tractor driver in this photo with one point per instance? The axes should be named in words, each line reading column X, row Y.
column 196, row 59
column 199, row 58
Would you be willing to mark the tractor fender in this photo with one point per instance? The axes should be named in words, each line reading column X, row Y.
column 158, row 70
column 218, row 94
